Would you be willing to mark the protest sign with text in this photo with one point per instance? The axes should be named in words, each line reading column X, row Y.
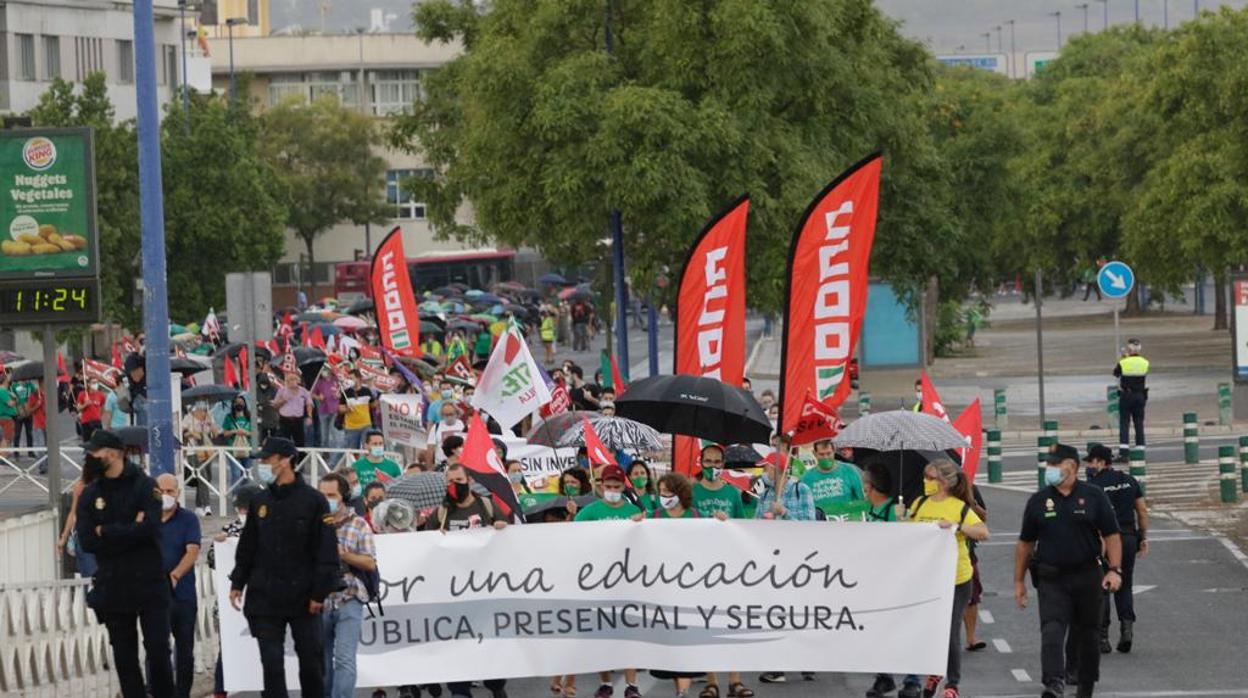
column 684, row 595
column 400, row 420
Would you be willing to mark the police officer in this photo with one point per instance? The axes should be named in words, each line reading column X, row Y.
column 287, row 560
column 1132, row 372
column 1130, row 508
column 1064, row 525
column 118, row 520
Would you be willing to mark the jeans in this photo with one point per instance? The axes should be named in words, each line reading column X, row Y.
column 270, row 634
column 1070, row 600
column 24, row 424
column 351, row 438
column 123, row 635
column 953, row 670
column 182, row 622
column 85, row 562
column 341, row 627
column 463, row 689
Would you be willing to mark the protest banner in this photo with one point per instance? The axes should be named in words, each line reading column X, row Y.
column 400, row 420
column 682, row 595
column 540, row 462
column 380, row 379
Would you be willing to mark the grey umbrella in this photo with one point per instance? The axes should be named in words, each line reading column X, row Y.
column 425, row 490
column 617, row 433
column 900, row 430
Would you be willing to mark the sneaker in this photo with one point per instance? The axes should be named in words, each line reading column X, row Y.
column 631, row 691
column 435, row 690
column 1072, row 677
column 772, row 677
column 950, row 692
column 883, row 685
column 604, row 691
column 808, row 676
column 910, row 690
column 1054, row 690
column 379, row 694
column 498, row 693
column 930, row 686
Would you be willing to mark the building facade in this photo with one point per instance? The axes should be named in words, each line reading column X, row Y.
column 378, row 74
column 42, row 40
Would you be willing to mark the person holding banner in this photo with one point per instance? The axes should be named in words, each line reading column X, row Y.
column 831, row 482
column 795, row 503
column 344, row 609
column 643, row 484
column 948, row 502
column 877, row 484
column 356, row 409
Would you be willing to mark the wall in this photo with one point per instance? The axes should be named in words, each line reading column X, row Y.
column 890, row 337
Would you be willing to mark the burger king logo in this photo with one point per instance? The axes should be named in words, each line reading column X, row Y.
column 39, row 153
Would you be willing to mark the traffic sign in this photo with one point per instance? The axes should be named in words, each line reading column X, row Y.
column 1115, row 280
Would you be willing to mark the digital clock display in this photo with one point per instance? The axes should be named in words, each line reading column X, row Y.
column 67, row 301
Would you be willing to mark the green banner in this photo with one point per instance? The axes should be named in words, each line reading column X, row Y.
column 47, row 211
column 847, row 511
column 529, row 500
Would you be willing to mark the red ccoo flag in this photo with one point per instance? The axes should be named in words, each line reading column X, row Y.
column 971, row 425
column 483, row 463
column 62, row 374
column 117, row 362
column 931, row 403
column 737, row 479
column 318, row 338
column 818, row 422
column 398, row 318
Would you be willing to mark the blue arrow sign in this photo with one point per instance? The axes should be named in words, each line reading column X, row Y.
column 1115, row 279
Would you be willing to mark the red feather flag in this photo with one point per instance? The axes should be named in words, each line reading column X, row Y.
column 245, row 368
column 483, row 463
column 932, row 403
column 971, row 425
column 596, row 451
column 231, row 376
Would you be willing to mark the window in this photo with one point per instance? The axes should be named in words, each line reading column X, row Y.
column 311, row 86
column 253, row 12
column 89, row 57
column 171, row 76
column 125, row 61
column 285, row 85
column 25, row 57
column 51, row 57
column 405, row 207
column 395, row 91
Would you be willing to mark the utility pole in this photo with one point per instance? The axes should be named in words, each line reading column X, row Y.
column 1106, row 4
column 1084, row 7
column 152, row 225
column 1037, row 297
column 987, row 42
column 1013, row 59
column 1058, row 15
column 186, row 93
column 229, row 25
column 1000, row 45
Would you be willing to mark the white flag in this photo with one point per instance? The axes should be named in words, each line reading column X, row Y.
column 511, row 387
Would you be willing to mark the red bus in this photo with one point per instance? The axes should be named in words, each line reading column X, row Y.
column 476, row 268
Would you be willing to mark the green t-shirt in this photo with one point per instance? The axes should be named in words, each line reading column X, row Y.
column 483, row 343
column 22, row 392
column 841, row 485
column 662, row 514
column 649, row 501
column 7, row 411
column 601, row 511
column 885, row 512
column 727, row 499
column 367, row 470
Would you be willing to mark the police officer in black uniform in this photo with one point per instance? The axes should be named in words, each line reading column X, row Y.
column 1064, row 526
column 287, row 561
column 119, row 521
column 1127, row 498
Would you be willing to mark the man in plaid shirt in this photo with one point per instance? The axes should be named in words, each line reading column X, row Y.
column 796, row 503
column 344, row 610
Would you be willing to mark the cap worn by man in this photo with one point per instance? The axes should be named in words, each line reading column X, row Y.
column 1061, row 452
column 1099, row 452
column 102, row 438
column 612, row 472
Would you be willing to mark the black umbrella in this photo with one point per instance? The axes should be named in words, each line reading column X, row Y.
column 552, row 278
column 741, row 456
column 462, row 325
column 696, row 406
column 364, row 305
column 427, row 327
column 308, row 355
column 210, row 393
column 186, row 366
column 906, row 468
column 580, row 294
column 549, row 432
column 445, row 291
column 29, row 371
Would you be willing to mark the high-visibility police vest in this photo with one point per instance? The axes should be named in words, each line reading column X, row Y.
column 1133, row 369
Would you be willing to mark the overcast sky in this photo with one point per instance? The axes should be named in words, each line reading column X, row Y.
column 946, row 26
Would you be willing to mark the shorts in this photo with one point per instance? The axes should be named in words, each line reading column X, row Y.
column 977, row 587
column 6, row 429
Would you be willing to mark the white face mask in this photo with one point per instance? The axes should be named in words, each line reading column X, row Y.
column 242, row 519
column 377, row 451
column 669, row 502
column 612, row 496
column 168, row 502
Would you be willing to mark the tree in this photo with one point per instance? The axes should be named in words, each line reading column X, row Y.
column 223, row 201
column 545, row 133
column 117, row 185
column 324, row 156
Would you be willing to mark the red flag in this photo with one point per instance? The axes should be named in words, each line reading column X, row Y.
column 560, row 401
column 305, row 337
column 710, row 312
column 826, row 288
column 231, row 376
column 398, row 319
column 931, row 402
column 462, row 369
column 318, row 338
column 289, row 364
column 483, row 463
column 100, row 371
column 62, row 374
column 597, row 453
column 971, row 425
column 117, row 362
column 244, row 367
column 369, row 353
column 288, row 319
column 617, row 382
column 737, row 479
column 817, row 423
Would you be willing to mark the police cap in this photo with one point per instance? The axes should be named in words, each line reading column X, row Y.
column 1061, row 452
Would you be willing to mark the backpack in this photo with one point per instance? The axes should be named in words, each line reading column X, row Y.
column 371, row 579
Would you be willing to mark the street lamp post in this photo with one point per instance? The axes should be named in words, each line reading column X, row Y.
column 1000, row 45
column 1013, row 60
column 616, row 227
column 1058, row 16
column 1137, row 11
column 1165, row 14
column 186, row 95
column 987, row 42
column 1084, row 7
column 230, row 24
column 1106, row 4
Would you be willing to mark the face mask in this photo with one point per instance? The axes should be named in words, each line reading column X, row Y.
column 711, row 474
column 1090, row 472
column 669, row 502
column 357, row 490
column 168, row 502
column 571, row 490
column 1052, row 474
column 94, row 465
column 349, row 384
column 825, row 463
column 333, row 506
column 640, row 482
column 242, row 519
column 515, row 478
column 766, row 480
column 264, row 472
column 94, row 386
column 930, row 488
column 446, row 395
column 378, row 451
column 918, row 395
column 457, row 491
column 450, row 422
column 372, row 503
column 612, row 496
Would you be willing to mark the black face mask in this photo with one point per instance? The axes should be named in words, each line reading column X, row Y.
column 457, row 491
column 94, row 465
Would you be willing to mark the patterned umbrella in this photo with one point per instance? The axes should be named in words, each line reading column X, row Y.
column 900, row 430
column 617, row 434
column 425, row 490
column 549, row 432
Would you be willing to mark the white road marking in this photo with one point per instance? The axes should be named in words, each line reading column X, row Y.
column 1021, row 675
column 1142, row 588
column 1137, row 694
column 985, row 617
column 1002, row 646
column 1234, row 550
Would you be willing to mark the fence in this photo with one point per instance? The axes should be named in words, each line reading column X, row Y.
column 52, row 645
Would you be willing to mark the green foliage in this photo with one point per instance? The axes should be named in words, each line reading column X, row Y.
column 545, row 133
column 328, row 171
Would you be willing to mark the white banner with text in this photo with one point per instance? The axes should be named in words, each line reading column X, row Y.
column 684, row 595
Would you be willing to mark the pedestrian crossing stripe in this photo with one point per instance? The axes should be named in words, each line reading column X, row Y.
column 1163, row 483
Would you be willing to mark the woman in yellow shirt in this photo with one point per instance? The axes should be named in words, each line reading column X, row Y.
column 946, row 501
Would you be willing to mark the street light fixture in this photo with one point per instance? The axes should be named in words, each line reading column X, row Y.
column 987, row 42
column 1013, row 73
column 1106, row 4
column 1084, row 7
column 1000, row 46
column 1058, row 15
column 230, row 24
